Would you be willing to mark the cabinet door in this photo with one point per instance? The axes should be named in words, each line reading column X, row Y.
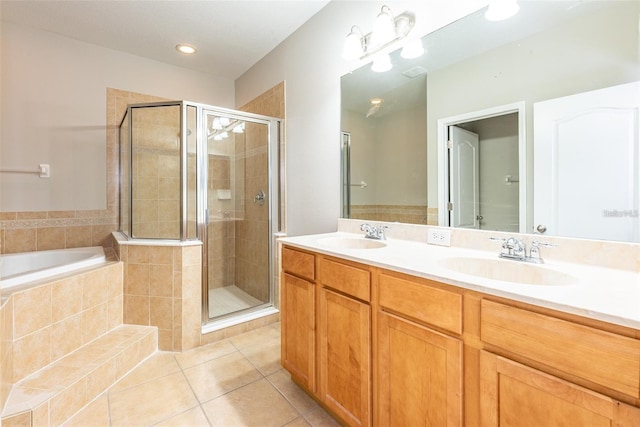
column 298, row 329
column 515, row 395
column 344, row 328
column 419, row 375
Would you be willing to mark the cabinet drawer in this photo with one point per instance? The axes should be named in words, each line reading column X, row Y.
column 601, row 357
column 301, row 264
column 422, row 302
column 345, row 278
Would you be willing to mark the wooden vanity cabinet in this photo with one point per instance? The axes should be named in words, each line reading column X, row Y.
column 344, row 340
column 418, row 370
column 326, row 331
column 537, row 369
column 298, row 316
column 515, row 395
column 383, row 348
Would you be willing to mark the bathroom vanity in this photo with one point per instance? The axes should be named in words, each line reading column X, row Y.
column 394, row 334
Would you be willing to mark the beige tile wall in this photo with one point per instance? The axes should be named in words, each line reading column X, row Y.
column 6, row 350
column 162, row 287
column 396, row 213
column 221, row 229
column 42, row 324
column 156, row 172
column 252, row 236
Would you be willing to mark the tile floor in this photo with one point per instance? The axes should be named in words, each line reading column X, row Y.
column 235, row 382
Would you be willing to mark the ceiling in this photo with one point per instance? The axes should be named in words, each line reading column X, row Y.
column 231, row 36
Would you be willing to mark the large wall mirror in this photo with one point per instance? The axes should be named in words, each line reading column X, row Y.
column 530, row 124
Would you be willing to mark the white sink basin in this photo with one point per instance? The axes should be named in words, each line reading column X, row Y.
column 351, row 243
column 508, row 271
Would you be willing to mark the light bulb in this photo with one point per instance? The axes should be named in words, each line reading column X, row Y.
column 500, row 10
column 412, row 50
column 353, row 45
column 384, row 28
column 381, row 64
column 187, row 49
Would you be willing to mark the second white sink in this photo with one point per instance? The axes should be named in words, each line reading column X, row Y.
column 508, row 271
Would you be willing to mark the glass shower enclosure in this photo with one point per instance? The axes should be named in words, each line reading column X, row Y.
column 190, row 171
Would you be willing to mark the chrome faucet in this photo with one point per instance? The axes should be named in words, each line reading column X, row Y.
column 374, row 232
column 516, row 249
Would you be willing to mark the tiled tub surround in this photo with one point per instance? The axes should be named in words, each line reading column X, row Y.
column 162, row 288
column 63, row 343
column 607, row 285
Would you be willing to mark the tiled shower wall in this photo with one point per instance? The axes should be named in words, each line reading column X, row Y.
column 252, row 236
column 221, row 229
column 252, row 231
column 156, row 172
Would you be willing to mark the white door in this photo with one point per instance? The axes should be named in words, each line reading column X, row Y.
column 586, row 159
column 464, row 178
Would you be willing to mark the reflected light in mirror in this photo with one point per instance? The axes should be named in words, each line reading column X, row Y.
column 413, row 49
column 382, row 63
column 500, row 10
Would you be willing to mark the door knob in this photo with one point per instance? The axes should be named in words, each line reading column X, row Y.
column 541, row 229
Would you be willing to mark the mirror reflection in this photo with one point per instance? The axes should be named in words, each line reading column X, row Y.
column 528, row 124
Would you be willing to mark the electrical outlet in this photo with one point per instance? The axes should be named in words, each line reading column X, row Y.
column 439, row 236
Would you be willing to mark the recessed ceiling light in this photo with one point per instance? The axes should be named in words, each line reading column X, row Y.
column 187, row 49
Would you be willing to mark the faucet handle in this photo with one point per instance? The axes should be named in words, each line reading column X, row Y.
column 534, row 252
column 505, row 249
column 381, row 229
column 546, row 245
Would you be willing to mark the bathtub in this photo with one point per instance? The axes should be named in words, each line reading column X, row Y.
column 21, row 268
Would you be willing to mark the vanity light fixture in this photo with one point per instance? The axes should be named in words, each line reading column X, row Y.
column 216, row 125
column 387, row 29
column 500, row 10
column 238, row 128
column 221, row 126
column 186, row 49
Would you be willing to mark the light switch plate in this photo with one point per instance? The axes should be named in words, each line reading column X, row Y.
column 439, row 236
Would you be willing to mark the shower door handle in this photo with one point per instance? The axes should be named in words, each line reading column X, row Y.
column 260, row 198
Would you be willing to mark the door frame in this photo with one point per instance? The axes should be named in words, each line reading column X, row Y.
column 443, row 161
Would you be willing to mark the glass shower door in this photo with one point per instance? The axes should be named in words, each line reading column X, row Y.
column 237, row 243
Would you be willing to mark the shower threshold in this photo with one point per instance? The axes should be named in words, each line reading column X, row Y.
column 230, row 299
column 230, row 305
column 238, row 318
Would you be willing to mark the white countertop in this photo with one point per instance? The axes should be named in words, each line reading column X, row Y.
column 605, row 294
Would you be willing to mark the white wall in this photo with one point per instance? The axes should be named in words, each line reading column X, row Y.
column 53, row 110
column 363, row 156
column 498, row 158
column 310, row 63
column 401, row 156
